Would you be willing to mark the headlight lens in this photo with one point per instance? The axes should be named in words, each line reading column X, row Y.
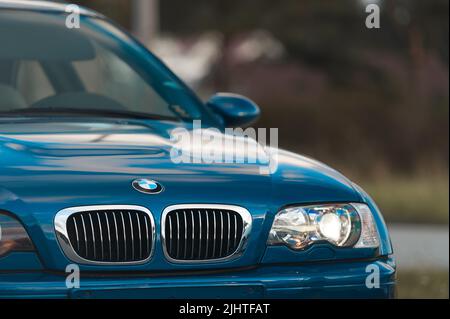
column 13, row 237
column 343, row 225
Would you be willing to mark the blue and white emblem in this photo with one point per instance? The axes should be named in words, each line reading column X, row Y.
column 147, row 186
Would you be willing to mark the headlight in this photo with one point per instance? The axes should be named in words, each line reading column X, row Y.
column 13, row 236
column 343, row 225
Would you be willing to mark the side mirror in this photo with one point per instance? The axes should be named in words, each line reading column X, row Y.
column 235, row 110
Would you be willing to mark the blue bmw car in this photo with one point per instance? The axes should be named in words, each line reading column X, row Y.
column 93, row 204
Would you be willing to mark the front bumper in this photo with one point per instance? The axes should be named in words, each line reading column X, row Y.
column 320, row 280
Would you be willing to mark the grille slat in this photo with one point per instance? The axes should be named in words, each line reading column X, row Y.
column 101, row 236
column 117, row 235
column 185, row 234
column 91, row 226
column 147, row 238
column 132, row 235
column 202, row 234
column 170, row 235
column 85, row 236
column 207, row 235
column 178, row 235
column 76, row 233
column 228, row 232
column 235, row 231
column 111, row 236
column 125, row 241
column 214, row 233
column 221, row 232
column 140, row 236
column 193, row 235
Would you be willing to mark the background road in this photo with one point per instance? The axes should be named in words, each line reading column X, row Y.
column 418, row 247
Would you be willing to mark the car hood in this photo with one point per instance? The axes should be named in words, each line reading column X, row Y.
column 71, row 162
column 48, row 166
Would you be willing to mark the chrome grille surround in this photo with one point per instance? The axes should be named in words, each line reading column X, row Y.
column 246, row 230
column 61, row 220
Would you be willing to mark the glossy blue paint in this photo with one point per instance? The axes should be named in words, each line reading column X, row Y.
column 340, row 280
column 20, row 261
column 48, row 164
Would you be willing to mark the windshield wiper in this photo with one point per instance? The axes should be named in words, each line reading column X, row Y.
column 86, row 112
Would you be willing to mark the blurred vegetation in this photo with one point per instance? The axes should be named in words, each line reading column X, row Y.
column 373, row 103
column 416, row 199
column 425, row 284
column 376, row 103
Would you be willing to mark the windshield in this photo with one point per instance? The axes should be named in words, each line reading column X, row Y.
column 47, row 68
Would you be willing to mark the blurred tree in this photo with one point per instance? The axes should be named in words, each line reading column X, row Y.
column 118, row 10
column 378, row 103
column 311, row 30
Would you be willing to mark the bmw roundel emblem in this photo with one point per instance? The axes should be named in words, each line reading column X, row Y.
column 147, row 186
